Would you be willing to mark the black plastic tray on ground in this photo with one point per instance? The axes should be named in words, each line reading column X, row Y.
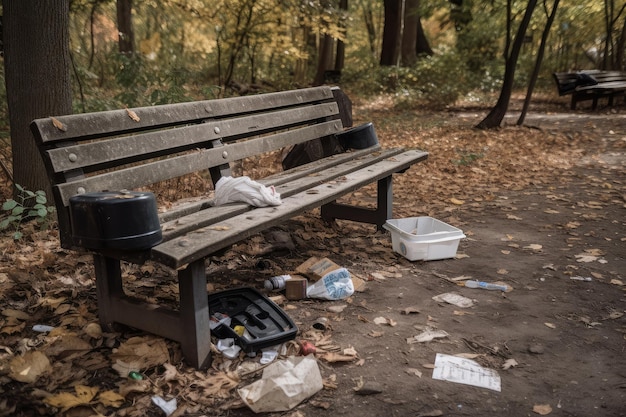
column 266, row 323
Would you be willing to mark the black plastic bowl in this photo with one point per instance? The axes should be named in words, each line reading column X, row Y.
column 360, row 137
column 115, row 220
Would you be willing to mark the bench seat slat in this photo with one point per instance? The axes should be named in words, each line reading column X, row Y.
column 196, row 245
column 116, row 122
column 146, row 145
column 201, row 203
column 153, row 172
column 331, row 171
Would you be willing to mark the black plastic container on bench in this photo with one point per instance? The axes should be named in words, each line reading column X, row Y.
column 122, row 220
column 267, row 324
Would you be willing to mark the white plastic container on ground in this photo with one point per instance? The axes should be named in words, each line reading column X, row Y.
column 423, row 238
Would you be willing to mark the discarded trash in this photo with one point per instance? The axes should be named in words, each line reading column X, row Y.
column 320, row 324
column 485, row 285
column 168, row 407
column 277, row 282
column 427, row 336
column 228, row 348
column 283, row 385
column 42, row 328
column 307, row 348
column 455, row 299
column 465, row 371
column 135, row 375
column 295, row 287
column 315, row 268
column 577, row 278
column 268, row 356
column 229, row 190
column 335, row 285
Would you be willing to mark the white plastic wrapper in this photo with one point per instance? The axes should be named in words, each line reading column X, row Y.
column 335, row 285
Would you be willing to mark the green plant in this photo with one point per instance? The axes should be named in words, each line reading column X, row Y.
column 467, row 157
column 28, row 206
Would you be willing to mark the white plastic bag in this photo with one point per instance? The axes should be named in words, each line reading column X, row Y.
column 335, row 285
column 243, row 189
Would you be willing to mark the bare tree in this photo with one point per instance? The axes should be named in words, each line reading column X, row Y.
column 37, row 77
column 496, row 115
column 542, row 47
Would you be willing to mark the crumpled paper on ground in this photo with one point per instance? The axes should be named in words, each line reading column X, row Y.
column 243, row 189
column 284, row 385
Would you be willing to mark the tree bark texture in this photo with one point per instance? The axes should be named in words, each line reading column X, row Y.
column 37, row 77
column 497, row 113
column 126, row 41
column 391, row 32
column 408, row 55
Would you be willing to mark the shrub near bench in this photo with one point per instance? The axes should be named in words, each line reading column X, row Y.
column 591, row 85
column 132, row 149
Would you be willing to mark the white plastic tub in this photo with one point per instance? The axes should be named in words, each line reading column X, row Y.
column 423, row 238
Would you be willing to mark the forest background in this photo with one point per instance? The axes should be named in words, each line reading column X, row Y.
column 103, row 54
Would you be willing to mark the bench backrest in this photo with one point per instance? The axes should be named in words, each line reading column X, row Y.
column 567, row 82
column 130, row 149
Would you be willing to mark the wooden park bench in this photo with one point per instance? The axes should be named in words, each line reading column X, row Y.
column 591, row 85
column 131, row 149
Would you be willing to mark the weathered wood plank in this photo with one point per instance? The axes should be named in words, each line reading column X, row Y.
column 332, row 171
column 145, row 145
column 114, row 122
column 160, row 170
column 178, row 252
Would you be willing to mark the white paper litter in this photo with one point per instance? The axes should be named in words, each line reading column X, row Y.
column 465, row 371
column 283, row 385
column 243, row 189
column 454, row 299
column 168, row 407
column 427, row 336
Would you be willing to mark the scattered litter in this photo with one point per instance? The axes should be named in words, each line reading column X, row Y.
column 228, row 347
column 550, row 325
column 320, row 324
column 454, row 299
column 427, row 336
column 168, row 407
column 335, row 285
column 42, row 328
column 385, row 320
column 486, row 285
column 268, row 356
column 337, row 309
column 283, row 385
column 368, row 388
column 579, row 278
column 465, row 371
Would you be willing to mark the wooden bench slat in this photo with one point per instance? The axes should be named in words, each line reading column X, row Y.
column 146, row 145
column 328, row 172
column 311, row 168
column 198, row 244
column 116, row 122
column 160, row 170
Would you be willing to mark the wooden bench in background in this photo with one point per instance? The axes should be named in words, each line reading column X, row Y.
column 591, row 85
column 131, row 149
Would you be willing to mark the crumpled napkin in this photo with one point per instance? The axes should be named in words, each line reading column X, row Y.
column 243, row 189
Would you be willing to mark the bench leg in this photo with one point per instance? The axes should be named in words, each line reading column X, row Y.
column 108, row 288
column 378, row 216
column 194, row 315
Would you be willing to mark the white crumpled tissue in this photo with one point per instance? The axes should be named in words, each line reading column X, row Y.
column 243, row 189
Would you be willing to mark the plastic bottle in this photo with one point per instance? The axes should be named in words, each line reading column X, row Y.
column 485, row 285
column 277, row 283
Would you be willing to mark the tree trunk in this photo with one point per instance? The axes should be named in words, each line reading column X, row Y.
column 496, row 115
column 324, row 59
column 408, row 55
column 391, row 32
column 421, row 44
column 125, row 26
column 37, row 76
column 540, row 53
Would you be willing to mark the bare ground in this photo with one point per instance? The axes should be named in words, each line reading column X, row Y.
column 540, row 205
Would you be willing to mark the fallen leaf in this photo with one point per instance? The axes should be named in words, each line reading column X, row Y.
column 513, row 217
column 551, row 211
column 509, row 363
column 409, row 310
column 132, row 115
column 542, row 409
column 456, row 201
column 58, row 124
column 534, row 246
column 29, row 367
column 375, row 334
column 550, row 325
column 617, row 282
column 220, row 228
column 413, row 371
column 502, row 271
